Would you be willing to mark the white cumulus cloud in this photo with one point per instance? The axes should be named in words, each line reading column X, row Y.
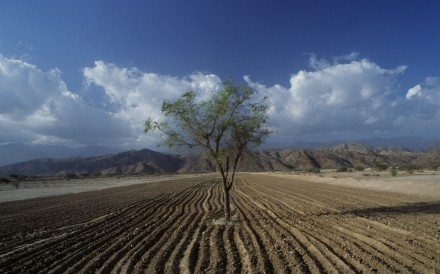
column 428, row 91
column 421, row 109
column 415, row 91
column 137, row 95
column 356, row 96
column 24, row 88
column 36, row 106
column 345, row 97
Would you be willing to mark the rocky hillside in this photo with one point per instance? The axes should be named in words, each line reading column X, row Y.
column 343, row 155
column 147, row 161
column 142, row 161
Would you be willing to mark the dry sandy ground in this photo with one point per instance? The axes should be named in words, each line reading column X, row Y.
column 282, row 224
column 423, row 184
column 43, row 188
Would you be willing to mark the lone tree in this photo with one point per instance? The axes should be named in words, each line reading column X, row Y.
column 224, row 125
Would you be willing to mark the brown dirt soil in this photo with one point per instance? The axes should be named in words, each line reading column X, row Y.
column 282, row 225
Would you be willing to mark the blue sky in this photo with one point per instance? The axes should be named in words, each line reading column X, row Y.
column 90, row 72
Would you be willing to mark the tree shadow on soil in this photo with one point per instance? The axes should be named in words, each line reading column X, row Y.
column 410, row 208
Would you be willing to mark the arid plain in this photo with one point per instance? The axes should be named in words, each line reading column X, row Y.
column 283, row 223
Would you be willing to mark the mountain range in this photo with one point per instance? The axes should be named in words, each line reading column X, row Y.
column 148, row 161
column 17, row 152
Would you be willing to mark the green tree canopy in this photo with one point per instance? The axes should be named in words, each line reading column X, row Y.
column 224, row 125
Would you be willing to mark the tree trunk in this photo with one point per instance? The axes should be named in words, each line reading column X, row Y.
column 227, row 205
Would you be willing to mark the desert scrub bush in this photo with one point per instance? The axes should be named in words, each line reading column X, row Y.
column 71, row 176
column 342, row 169
column 313, row 170
column 394, row 172
column 433, row 167
column 4, row 180
column 402, row 168
column 380, row 166
column 97, row 174
column 409, row 168
column 18, row 177
column 359, row 168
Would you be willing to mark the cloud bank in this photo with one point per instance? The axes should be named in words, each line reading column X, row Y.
column 335, row 99
column 346, row 97
column 135, row 95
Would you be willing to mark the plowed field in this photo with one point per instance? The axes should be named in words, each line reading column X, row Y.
column 281, row 226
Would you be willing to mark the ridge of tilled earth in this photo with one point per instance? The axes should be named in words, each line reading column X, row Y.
column 281, row 226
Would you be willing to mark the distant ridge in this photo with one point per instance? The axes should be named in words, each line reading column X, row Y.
column 148, row 161
column 17, row 152
column 142, row 161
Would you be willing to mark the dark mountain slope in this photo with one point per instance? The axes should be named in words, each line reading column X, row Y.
column 143, row 161
column 148, row 161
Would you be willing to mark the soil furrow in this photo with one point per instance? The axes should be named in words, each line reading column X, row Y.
column 259, row 258
column 244, row 251
column 124, row 229
column 130, row 218
column 271, row 213
column 304, row 225
column 204, row 254
column 190, row 254
column 137, row 232
column 185, row 233
column 412, row 256
column 313, row 257
column 279, row 252
column 280, row 225
column 156, row 242
column 234, row 260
